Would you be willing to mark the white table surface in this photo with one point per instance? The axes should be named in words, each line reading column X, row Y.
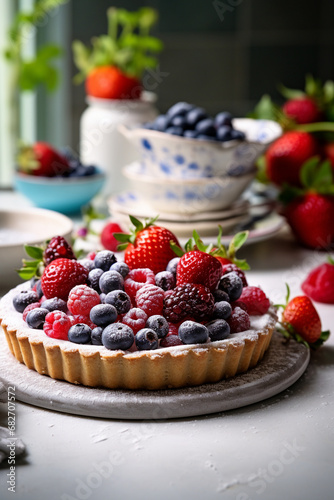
column 280, row 448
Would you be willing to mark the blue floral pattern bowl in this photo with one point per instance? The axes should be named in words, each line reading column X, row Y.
column 167, row 156
column 187, row 195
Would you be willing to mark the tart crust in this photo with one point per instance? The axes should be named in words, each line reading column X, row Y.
column 172, row 367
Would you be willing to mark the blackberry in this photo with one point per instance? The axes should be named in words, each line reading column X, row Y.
column 188, row 300
column 57, row 248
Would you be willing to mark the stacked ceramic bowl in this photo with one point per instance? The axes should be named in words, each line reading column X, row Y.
column 182, row 175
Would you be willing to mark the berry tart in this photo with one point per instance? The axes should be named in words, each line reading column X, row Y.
column 151, row 321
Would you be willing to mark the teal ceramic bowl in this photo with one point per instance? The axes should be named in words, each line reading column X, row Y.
column 65, row 195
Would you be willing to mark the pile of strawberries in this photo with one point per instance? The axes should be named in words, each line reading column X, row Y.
column 301, row 162
column 154, row 298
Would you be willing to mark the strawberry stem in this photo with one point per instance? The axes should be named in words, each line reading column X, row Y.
column 316, row 127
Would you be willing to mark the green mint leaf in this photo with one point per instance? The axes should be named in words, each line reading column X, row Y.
column 34, row 252
column 290, row 93
column 26, row 274
column 239, row 239
column 328, row 90
column 308, row 171
column 242, row 264
column 323, row 176
column 287, row 297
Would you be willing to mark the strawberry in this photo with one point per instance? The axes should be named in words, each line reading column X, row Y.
column 147, row 245
column 285, row 157
column 311, row 218
column 302, row 110
column 109, row 82
column 319, row 284
column 114, row 66
column 41, row 159
column 108, row 239
column 61, row 276
column 199, row 267
column 301, row 321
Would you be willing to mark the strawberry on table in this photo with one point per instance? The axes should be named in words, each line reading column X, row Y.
column 319, row 284
column 41, row 159
column 310, row 210
column 147, row 245
column 109, row 82
column 301, row 321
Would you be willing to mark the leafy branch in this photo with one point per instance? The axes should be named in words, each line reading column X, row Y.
column 127, row 45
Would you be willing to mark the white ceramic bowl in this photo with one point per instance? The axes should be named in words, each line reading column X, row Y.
column 169, row 156
column 187, row 196
column 30, row 226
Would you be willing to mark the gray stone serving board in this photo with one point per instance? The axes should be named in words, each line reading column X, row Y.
column 282, row 365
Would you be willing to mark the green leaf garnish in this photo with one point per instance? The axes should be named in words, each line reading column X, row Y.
column 35, row 252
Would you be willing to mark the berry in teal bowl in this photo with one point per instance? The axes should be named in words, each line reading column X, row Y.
column 62, row 194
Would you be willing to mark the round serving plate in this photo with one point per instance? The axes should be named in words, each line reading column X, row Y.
column 282, row 365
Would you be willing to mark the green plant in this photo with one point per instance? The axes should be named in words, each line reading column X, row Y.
column 127, row 44
column 29, row 73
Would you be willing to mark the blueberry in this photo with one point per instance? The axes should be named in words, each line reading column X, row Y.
column 35, row 282
column 96, row 335
column 222, row 310
column 172, row 265
column 120, row 300
column 117, row 336
column 191, row 134
column 158, row 324
column 80, row 333
column 191, row 332
column 36, row 317
column 90, row 170
column 102, row 297
column 103, row 314
column 218, row 329
column 54, row 304
column 80, row 171
column 165, row 280
column 232, row 285
column 178, row 121
column 111, row 280
column 161, row 123
column 23, row 299
column 104, row 259
column 94, row 278
column 219, row 295
column 87, row 264
column 224, row 133
column 174, row 130
column 121, row 268
column 206, row 127
column 179, row 109
column 194, row 116
column 223, row 118
column 146, row 339
column 238, row 135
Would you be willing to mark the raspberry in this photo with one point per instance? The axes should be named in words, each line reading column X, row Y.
column 30, row 307
column 188, row 300
column 81, row 318
column 136, row 279
column 150, row 298
column 135, row 319
column 255, row 299
column 239, row 320
column 172, row 329
column 239, row 303
column 81, row 300
column 57, row 325
column 170, row 341
column 228, row 268
column 57, row 248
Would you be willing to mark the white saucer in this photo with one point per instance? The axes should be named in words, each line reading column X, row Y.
column 206, row 223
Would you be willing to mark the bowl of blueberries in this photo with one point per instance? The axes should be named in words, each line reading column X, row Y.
column 187, row 143
column 56, row 180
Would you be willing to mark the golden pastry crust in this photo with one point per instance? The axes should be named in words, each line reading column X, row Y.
column 172, row 367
